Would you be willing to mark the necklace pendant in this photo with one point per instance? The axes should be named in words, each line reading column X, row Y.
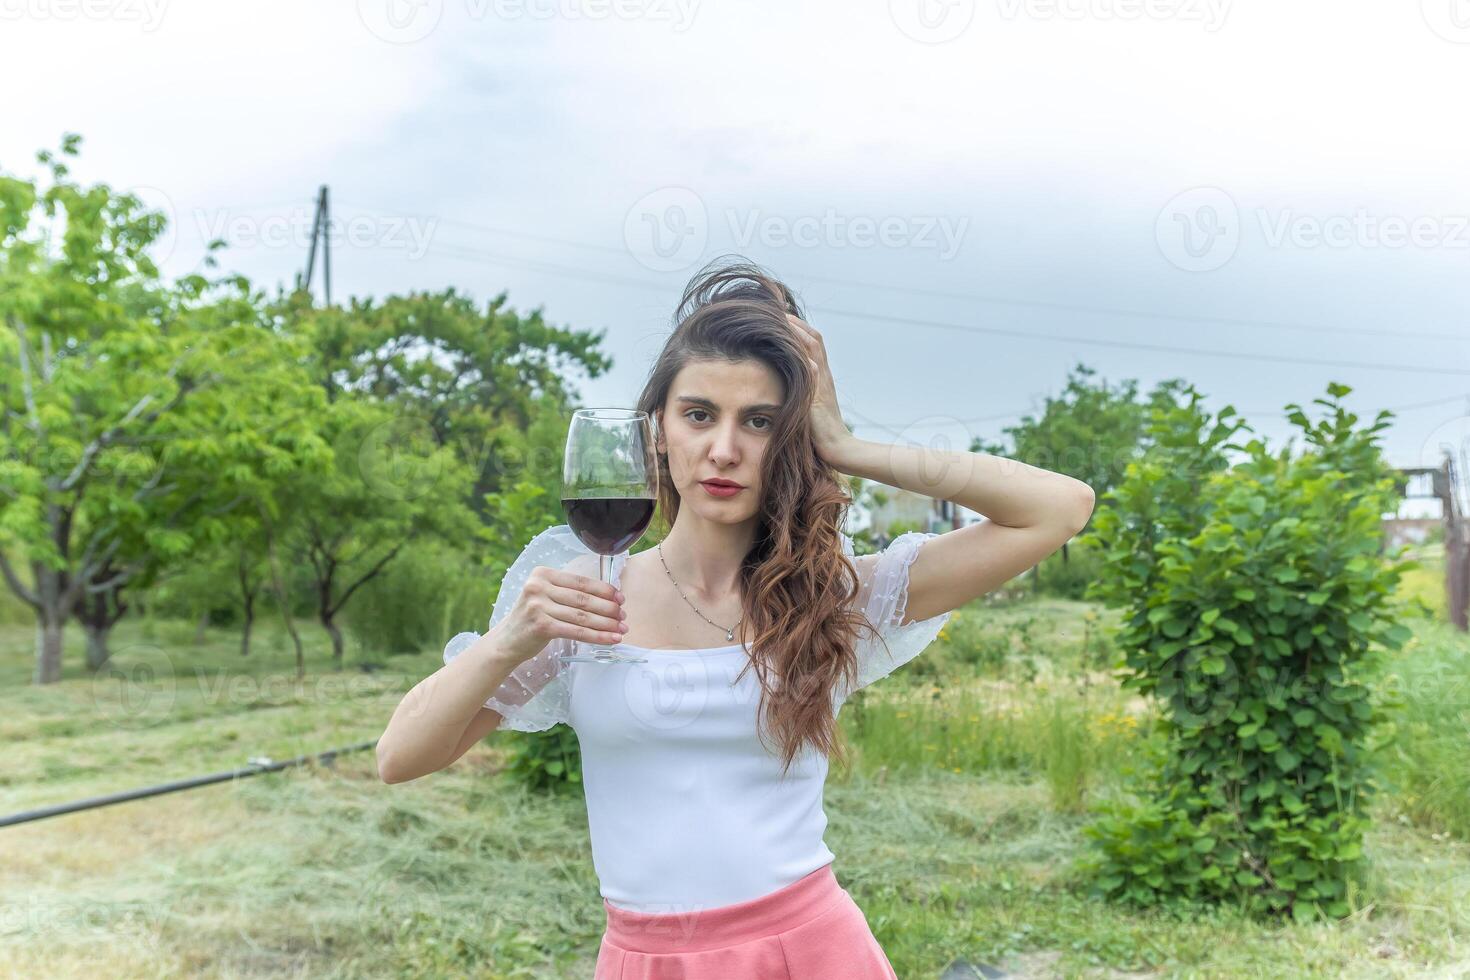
column 729, row 634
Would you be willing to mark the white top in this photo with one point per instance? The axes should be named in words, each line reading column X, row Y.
column 687, row 808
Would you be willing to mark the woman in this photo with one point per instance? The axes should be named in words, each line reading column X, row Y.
column 703, row 767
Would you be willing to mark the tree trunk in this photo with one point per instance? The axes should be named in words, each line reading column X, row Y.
column 99, row 612
column 336, row 634
column 48, row 650
column 97, row 650
column 200, row 628
column 248, row 590
column 249, row 624
column 50, row 600
column 279, row 587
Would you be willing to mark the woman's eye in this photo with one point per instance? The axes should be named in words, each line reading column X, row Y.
column 701, row 414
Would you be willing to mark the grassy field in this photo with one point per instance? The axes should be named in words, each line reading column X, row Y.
column 955, row 830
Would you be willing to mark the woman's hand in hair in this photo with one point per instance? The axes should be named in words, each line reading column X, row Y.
column 828, row 430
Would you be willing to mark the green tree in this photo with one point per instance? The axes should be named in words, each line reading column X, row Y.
column 1091, row 431
column 476, row 379
column 133, row 414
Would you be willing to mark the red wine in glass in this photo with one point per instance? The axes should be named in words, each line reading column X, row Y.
column 609, row 489
column 608, row 525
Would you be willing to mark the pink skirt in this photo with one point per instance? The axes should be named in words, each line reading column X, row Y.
column 809, row 930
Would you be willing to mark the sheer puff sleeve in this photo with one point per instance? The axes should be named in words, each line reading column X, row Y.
column 883, row 598
column 537, row 694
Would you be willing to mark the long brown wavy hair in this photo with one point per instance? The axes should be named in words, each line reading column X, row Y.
column 796, row 584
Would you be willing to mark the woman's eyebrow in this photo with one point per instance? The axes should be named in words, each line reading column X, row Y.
column 697, row 400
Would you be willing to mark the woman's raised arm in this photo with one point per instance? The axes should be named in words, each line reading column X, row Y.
column 1030, row 512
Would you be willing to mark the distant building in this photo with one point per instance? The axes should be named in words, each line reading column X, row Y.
column 900, row 510
column 1399, row 531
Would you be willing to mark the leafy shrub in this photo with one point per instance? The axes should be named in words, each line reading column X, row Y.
column 425, row 595
column 1066, row 573
column 548, row 761
column 983, row 645
column 1257, row 608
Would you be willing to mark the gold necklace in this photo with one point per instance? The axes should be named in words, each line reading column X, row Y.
column 729, row 633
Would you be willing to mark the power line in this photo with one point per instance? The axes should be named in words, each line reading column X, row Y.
column 536, row 265
column 474, row 254
column 556, row 269
column 1244, row 411
column 988, row 298
column 1137, row 345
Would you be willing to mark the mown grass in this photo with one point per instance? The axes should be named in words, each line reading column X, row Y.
column 956, row 829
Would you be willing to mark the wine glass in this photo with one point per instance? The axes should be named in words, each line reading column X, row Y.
column 609, row 488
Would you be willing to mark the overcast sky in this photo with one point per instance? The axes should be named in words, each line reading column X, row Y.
column 971, row 196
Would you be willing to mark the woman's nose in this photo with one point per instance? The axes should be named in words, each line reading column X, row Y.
column 725, row 448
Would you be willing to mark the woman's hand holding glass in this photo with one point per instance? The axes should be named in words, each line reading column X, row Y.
column 558, row 604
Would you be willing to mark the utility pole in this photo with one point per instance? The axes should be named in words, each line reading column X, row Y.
column 319, row 227
column 1448, row 485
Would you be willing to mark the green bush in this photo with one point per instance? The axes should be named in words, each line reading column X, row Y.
column 1257, row 610
column 548, row 761
column 424, row 596
column 975, row 642
column 1068, row 575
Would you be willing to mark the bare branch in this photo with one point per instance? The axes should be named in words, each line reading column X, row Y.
column 16, row 585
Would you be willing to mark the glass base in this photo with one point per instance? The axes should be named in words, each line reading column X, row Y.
column 601, row 655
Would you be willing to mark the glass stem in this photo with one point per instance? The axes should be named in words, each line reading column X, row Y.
column 604, row 572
